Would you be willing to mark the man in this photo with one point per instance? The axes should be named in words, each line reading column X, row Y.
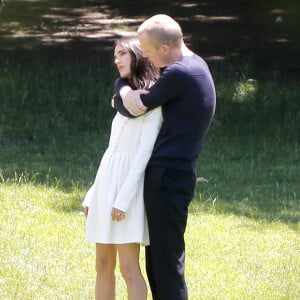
column 186, row 92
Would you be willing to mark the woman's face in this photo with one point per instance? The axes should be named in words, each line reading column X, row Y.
column 122, row 61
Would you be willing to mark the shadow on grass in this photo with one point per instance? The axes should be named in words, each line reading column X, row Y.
column 263, row 32
column 250, row 157
column 243, row 178
column 251, row 173
column 54, row 118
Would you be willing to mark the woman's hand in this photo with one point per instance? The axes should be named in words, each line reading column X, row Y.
column 117, row 215
column 86, row 211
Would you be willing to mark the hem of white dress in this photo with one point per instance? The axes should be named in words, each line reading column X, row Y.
column 143, row 243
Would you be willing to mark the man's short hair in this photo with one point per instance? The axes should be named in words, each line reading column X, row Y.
column 162, row 29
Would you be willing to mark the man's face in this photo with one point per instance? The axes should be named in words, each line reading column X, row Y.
column 154, row 53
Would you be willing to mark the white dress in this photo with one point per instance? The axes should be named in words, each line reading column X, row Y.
column 120, row 180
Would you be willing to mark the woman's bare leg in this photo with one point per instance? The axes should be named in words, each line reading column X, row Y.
column 105, row 267
column 130, row 269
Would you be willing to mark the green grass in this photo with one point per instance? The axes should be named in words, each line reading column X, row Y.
column 43, row 253
column 243, row 231
column 232, row 257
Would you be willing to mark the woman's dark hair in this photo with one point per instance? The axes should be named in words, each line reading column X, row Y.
column 143, row 72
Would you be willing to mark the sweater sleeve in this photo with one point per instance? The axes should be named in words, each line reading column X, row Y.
column 169, row 86
column 151, row 126
column 118, row 102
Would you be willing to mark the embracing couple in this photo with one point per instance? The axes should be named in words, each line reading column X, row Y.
column 165, row 100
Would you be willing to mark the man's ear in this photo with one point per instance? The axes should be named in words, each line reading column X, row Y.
column 165, row 48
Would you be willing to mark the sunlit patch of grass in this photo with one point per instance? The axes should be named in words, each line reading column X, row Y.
column 244, row 90
column 230, row 257
column 43, row 253
column 42, row 250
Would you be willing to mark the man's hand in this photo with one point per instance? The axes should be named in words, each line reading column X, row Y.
column 132, row 101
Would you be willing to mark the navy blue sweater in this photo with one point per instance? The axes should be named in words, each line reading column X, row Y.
column 187, row 95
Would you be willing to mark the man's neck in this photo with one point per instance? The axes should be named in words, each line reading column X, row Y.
column 185, row 51
column 177, row 54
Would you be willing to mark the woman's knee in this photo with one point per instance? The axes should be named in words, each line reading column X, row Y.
column 104, row 265
column 129, row 261
column 105, row 259
column 130, row 271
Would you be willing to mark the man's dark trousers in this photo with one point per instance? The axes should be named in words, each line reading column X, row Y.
column 167, row 194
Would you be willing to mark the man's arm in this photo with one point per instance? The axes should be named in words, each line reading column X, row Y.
column 168, row 87
column 117, row 101
column 132, row 100
column 127, row 101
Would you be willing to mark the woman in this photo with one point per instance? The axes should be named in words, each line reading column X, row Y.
column 114, row 204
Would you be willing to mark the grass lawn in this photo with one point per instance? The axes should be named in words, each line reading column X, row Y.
column 44, row 256
column 243, row 230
